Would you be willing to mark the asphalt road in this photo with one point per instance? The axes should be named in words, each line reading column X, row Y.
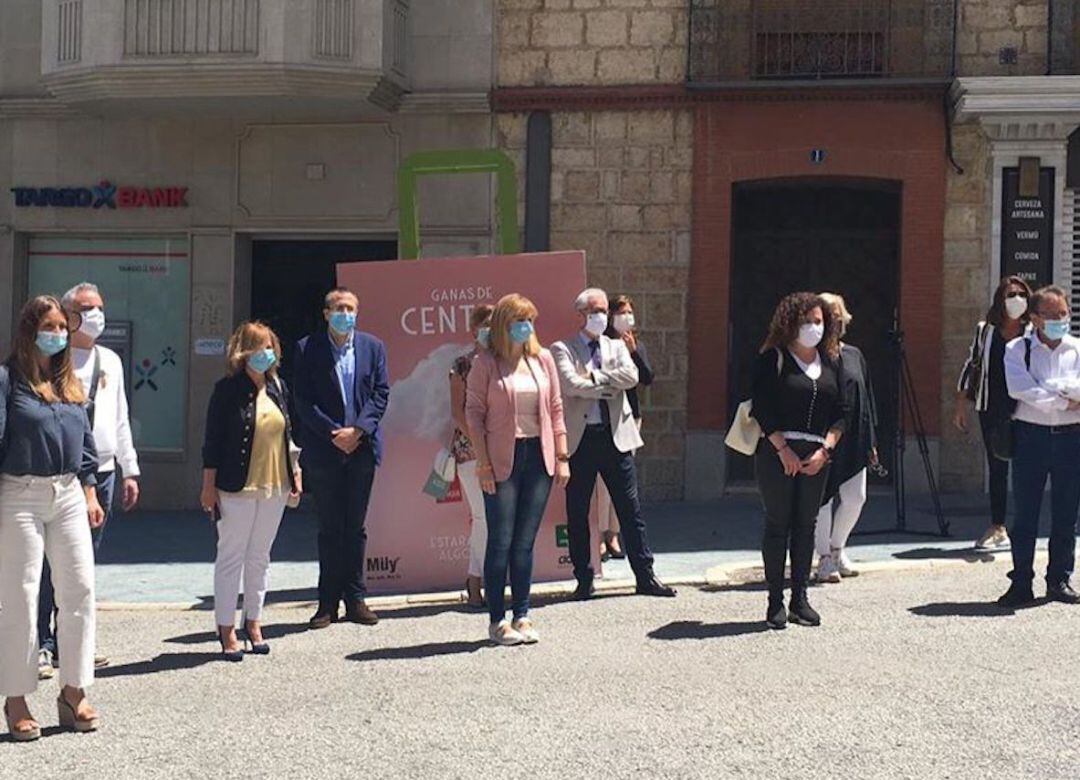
column 912, row 675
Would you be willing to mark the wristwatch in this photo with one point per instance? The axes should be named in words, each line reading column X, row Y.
column 562, row 458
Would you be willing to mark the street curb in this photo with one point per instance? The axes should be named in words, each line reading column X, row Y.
column 739, row 572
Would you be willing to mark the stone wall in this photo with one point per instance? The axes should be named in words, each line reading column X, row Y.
column 621, row 185
column 966, row 281
column 987, row 26
column 565, row 42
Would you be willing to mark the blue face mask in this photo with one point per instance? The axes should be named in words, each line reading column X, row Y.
column 483, row 337
column 51, row 343
column 521, row 331
column 1055, row 330
column 343, row 322
column 262, row 361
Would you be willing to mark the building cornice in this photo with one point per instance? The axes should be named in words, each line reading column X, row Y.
column 1031, row 96
column 445, row 103
column 644, row 96
column 35, row 108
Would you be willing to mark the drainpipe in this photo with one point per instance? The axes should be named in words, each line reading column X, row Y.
column 538, row 182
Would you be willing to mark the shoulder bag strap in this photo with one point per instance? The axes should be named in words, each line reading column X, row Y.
column 95, row 380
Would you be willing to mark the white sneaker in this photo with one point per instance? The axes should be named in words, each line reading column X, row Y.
column 45, row 669
column 502, row 634
column 826, row 570
column 843, row 564
column 524, row 626
column 995, row 538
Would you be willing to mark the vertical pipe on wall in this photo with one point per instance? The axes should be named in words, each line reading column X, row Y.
column 538, row 182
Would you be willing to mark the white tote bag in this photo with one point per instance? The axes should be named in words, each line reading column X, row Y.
column 745, row 432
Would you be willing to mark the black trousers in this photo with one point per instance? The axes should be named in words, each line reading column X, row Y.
column 342, row 492
column 597, row 454
column 999, row 471
column 791, row 508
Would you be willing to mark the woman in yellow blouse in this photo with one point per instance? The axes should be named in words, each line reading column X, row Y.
column 248, row 478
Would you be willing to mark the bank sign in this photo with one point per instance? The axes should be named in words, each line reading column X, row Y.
column 103, row 195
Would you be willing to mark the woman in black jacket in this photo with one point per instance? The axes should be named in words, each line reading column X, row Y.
column 248, row 477
column 622, row 325
column 797, row 400
column 845, row 493
column 982, row 381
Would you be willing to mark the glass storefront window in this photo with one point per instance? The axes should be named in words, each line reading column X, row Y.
column 145, row 282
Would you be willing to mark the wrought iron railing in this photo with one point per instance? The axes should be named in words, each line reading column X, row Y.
column 1063, row 51
column 803, row 40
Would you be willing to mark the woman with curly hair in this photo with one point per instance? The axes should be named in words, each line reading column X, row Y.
column 798, row 402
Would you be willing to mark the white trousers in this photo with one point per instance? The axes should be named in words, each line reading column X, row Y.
column 834, row 526
column 45, row 516
column 246, row 532
column 474, row 496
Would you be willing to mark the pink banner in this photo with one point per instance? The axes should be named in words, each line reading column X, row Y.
column 421, row 309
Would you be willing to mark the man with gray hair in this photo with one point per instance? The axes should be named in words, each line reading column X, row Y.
column 595, row 372
column 102, row 376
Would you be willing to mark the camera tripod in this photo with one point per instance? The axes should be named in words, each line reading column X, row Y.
column 908, row 407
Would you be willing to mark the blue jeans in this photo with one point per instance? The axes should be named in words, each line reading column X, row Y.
column 106, row 481
column 514, row 513
column 1040, row 453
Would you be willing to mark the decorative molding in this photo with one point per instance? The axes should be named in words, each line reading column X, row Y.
column 127, row 83
column 1016, row 98
column 445, row 103
column 644, row 97
column 35, row 108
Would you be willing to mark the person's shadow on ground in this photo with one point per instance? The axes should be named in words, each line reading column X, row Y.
column 695, row 629
column 165, row 662
column 417, row 652
column 270, row 631
column 971, row 609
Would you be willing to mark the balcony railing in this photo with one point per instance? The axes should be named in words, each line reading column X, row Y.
column 1063, row 57
column 733, row 41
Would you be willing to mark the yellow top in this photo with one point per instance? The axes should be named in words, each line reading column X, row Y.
column 268, row 470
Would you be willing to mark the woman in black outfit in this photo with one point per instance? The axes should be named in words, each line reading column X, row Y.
column 982, row 380
column 622, row 325
column 797, row 400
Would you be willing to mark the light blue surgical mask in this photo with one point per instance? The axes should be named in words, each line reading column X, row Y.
column 343, row 322
column 521, row 331
column 51, row 343
column 483, row 337
column 262, row 361
column 1055, row 330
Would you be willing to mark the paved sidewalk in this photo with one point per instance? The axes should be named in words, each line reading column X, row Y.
column 166, row 558
column 913, row 675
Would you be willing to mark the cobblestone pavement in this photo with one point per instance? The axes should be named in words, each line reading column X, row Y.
column 912, row 675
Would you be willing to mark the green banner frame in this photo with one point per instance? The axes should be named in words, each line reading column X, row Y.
column 455, row 161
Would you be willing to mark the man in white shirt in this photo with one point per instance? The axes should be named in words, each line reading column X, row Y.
column 102, row 375
column 1039, row 368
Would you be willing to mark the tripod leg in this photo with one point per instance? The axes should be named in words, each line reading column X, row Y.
column 924, row 448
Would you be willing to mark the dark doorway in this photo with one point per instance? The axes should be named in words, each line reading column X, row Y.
column 840, row 236
column 290, row 278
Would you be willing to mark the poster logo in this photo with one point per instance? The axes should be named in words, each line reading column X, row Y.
column 103, row 195
column 562, row 535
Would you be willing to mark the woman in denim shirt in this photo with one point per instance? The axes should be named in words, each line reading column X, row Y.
column 48, row 504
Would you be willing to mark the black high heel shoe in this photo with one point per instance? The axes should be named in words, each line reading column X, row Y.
column 232, row 656
column 258, row 648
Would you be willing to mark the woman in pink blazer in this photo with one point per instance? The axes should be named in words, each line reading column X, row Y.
column 514, row 409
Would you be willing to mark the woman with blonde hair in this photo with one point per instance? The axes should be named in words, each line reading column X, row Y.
column 798, row 401
column 515, row 415
column 845, row 493
column 248, row 477
column 48, row 504
column 465, row 456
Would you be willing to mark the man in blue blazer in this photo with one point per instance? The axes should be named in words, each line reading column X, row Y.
column 341, row 390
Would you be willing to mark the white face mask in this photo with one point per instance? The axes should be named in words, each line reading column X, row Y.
column 93, row 323
column 810, row 334
column 624, row 323
column 1015, row 307
column 596, row 323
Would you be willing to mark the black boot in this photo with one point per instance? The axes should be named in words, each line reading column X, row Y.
column 776, row 615
column 800, row 612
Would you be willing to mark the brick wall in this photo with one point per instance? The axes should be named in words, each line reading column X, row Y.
column 544, row 42
column 987, row 26
column 621, row 190
column 967, row 280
